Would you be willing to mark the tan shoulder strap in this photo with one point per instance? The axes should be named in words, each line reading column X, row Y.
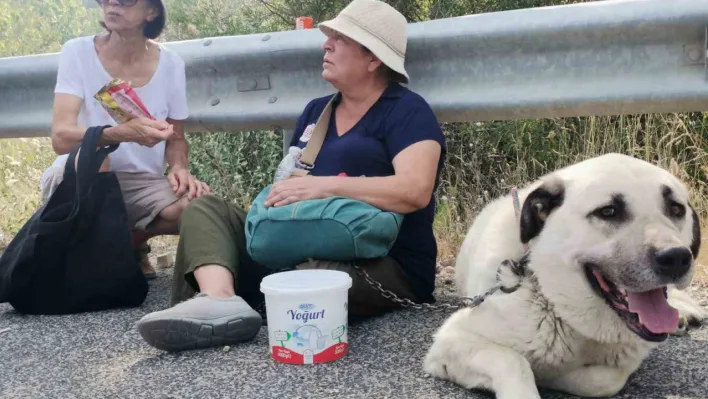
column 318, row 135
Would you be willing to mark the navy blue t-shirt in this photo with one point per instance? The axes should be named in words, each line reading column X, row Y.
column 398, row 119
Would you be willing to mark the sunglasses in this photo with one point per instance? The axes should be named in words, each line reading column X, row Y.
column 122, row 3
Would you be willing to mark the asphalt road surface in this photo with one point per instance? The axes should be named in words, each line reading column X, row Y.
column 101, row 355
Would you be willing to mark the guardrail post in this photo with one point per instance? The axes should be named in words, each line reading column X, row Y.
column 287, row 136
column 300, row 23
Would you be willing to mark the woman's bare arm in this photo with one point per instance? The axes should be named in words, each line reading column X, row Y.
column 408, row 190
column 177, row 148
column 66, row 132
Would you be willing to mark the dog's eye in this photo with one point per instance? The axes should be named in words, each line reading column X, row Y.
column 613, row 212
column 677, row 210
column 608, row 212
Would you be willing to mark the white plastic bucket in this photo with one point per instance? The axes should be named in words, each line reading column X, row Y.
column 307, row 315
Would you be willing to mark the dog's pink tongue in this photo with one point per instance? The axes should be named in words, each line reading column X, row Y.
column 653, row 310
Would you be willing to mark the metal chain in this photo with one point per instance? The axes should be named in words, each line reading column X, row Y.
column 407, row 303
column 465, row 301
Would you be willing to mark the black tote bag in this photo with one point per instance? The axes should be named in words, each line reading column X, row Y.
column 75, row 254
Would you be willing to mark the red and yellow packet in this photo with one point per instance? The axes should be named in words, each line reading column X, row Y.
column 121, row 102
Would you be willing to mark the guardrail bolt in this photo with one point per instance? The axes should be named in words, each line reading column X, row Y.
column 265, row 38
column 272, row 100
column 250, row 84
column 207, row 43
column 215, row 102
column 694, row 55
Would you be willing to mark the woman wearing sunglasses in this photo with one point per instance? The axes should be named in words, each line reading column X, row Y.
column 126, row 50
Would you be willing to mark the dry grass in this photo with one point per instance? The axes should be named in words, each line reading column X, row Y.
column 701, row 278
column 486, row 160
column 22, row 162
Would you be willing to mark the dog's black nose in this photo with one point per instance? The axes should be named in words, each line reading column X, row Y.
column 672, row 262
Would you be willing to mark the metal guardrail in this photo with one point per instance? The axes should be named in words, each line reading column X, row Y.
column 598, row 58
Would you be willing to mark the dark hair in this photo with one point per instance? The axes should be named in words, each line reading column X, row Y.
column 154, row 28
column 388, row 73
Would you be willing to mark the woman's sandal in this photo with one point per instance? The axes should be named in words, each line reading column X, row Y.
column 139, row 253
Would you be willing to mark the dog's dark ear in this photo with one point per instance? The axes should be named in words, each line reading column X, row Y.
column 538, row 205
column 696, row 243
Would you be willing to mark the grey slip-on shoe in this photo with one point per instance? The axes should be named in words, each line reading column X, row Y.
column 200, row 322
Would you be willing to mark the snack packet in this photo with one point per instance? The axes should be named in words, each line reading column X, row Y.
column 121, row 102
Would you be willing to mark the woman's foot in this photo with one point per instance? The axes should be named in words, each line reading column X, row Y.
column 145, row 266
column 201, row 322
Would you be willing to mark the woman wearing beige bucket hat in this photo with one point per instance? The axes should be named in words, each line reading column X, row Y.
column 382, row 145
column 379, row 28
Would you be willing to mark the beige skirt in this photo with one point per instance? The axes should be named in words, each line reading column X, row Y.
column 145, row 194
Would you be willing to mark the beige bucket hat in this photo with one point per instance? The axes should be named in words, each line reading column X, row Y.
column 377, row 26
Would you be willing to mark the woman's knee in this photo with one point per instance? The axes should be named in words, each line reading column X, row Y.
column 51, row 178
column 201, row 209
column 173, row 212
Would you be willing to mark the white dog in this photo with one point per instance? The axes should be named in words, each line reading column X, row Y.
column 607, row 237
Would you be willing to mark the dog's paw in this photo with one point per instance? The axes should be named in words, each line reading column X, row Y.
column 691, row 313
column 512, row 391
column 435, row 367
column 682, row 327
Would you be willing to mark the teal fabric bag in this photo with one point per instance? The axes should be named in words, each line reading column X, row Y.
column 335, row 228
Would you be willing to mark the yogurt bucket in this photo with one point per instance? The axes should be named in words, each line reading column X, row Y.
column 307, row 315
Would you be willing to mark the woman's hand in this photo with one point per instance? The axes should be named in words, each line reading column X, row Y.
column 297, row 189
column 183, row 181
column 143, row 131
column 66, row 133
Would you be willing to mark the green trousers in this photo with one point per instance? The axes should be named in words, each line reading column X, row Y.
column 211, row 232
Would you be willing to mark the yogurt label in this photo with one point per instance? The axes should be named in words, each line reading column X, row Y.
column 309, row 337
column 305, row 313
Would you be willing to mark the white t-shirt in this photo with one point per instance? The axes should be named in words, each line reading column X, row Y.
column 82, row 74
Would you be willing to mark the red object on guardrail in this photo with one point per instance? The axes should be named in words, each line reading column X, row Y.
column 304, row 23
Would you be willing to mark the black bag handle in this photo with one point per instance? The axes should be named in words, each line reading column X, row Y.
column 89, row 162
